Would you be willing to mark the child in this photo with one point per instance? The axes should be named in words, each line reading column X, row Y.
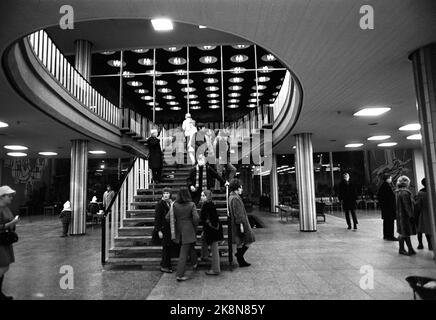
column 65, row 217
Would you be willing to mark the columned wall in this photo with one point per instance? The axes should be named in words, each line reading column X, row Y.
column 78, row 185
column 274, row 186
column 82, row 61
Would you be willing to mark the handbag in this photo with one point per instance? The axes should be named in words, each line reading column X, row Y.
column 8, row 237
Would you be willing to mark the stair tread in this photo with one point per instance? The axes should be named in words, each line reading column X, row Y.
column 150, row 248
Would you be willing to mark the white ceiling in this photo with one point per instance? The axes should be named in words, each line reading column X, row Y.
column 341, row 67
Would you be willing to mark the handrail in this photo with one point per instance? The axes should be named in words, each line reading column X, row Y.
column 229, row 230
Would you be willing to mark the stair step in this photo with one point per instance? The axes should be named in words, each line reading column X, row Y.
column 149, row 251
column 218, row 203
column 154, row 262
column 142, row 241
column 137, row 213
column 158, row 195
column 129, row 222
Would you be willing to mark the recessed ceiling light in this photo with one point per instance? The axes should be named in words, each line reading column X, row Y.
column 106, row 53
column 162, row 24
column 414, row 137
column 236, row 80
column 180, row 72
column 212, row 88
column 259, row 87
column 202, row 27
column 191, row 96
column 272, row 99
column 239, row 58
column 207, row 48
column 128, row 74
column 353, row 145
column 153, row 73
column 194, row 102
column 185, row 81
column 213, row 95
column 235, row 88
column 158, row 109
column 3, row 124
column 214, row 106
column 213, row 101
column 268, row 57
column 172, row 103
column 164, row 90
column 252, row 105
column 147, row 98
column 47, row 153
column 233, row 106
column 294, row 147
column 263, row 79
column 151, row 104
column 410, row 127
column 146, row 61
column 15, row 147
column 116, row 63
column 97, row 152
column 210, row 80
column 387, row 144
column 134, row 83
column 140, row 50
column 188, row 89
column 177, row 61
column 195, row 107
column 241, row 46
column 371, row 112
column 175, row 108
column 256, row 94
column 275, row 94
column 161, row 82
column 252, row 100
column 208, row 59
column 141, row 91
column 265, row 69
column 173, row 49
column 279, row 87
column 233, row 100
column 237, row 70
column 169, row 97
column 377, row 138
column 210, row 71
column 234, row 94
column 16, row 154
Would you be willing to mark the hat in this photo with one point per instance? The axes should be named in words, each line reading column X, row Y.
column 67, row 206
column 153, row 131
column 6, row 190
column 94, row 199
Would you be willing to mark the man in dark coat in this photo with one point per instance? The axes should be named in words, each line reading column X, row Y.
column 348, row 196
column 155, row 156
column 386, row 199
column 198, row 181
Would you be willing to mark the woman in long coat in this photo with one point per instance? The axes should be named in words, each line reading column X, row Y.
column 242, row 234
column 7, row 222
column 405, row 215
column 423, row 216
column 155, row 156
column 386, row 199
column 212, row 230
column 186, row 221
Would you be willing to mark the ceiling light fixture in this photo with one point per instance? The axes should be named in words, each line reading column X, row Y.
column 107, row 53
column 146, row 61
column 115, row 63
column 3, row 124
column 177, row 61
column 16, row 154
column 161, row 83
column 140, row 50
column 213, row 101
column 233, row 106
column 15, row 147
column 251, row 105
column 169, row 97
column 269, row 57
column 410, row 127
column 191, row 96
column 195, row 107
column 241, row 46
column 162, row 24
column 207, row 48
column 185, row 81
column 147, row 98
column 387, row 144
column 210, row 80
column 134, row 83
column 47, row 153
column 214, row 106
column 235, row 88
column 236, row 80
column 141, row 91
column 151, row 103
column 202, row 27
column 239, row 58
column 259, row 87
column 266, row 69
column 378, row 138
column 208, row 59
column 414, row 137
column 97, row 152
column 164, row 90
column 158, row 109
column 237, row 70
column 210, row 71
column 194, row 102
column 173, row 49
column 188, row 89
column 371, row 112
column 213, row 95
column 175, row 108
column 128, row 74
column 233, row 100
column 212, row 88
column 263, row 79
column 234, row 94
column 172, row 103
column 353, row 145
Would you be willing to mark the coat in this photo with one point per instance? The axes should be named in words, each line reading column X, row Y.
column 386, row 200
column 239, row 215
column 187, row 220
column 161, row 224
column 192, row 180
column 6, row 251
column 155, row 157
column 405, row 212
column 213, row 230
column 65, row 216
column 422, row 212
column 348, row 195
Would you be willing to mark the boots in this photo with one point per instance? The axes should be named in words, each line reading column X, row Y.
column 430, row 245
column 420, row 245
column 2, row 296
column 401, row 250
column 409, row 246
column 240, row 257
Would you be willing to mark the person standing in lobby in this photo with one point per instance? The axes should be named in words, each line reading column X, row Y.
column 348, row 196
column 7, row 223
column 242, row 233
column 405, row 215
column 189, row 128
column 186, row 219
column 423, row 217
column 386, row 199
column 155, row 159
column 108, row 195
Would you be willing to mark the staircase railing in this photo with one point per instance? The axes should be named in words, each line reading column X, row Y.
column 137, row 177
column 229, row 230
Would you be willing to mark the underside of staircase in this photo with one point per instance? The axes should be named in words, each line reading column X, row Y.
column 133, row 245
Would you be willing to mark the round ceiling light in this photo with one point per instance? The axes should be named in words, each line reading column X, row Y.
column 252, row 100
column 259, row 87
column 263, row 79
column 279, row 87
column 236, row 80
column 256, row 94
column 268, row 57
column 128, row 74
column 241, row 46
column 146, row 61
column 235, row 88
column 212, row 88
column 140, row 50
column 214, row 106
column 272, row 99
column 233, row 106
column 414, row 137
column 387, row 144
column 147, row 98
column 164, row 90
column 175, row 108
column 239, row 58
column 353, row 145
column 208, row 59
column 152, row 104
column 188, row 89
column 3, row 124
column 16, row 154
column 153, row 73
column 47, row 153
column 141, row 91
column 206, row 48
column 158, row 109
column 97, row 152
column 252, row 105
column 275, row 94
column 185, row 81
column 195, row 107
column 177, row 61
column 378, row 138
column 213, row 95
column 213, row 101
column 210, row 80
column 15, row 147
column 411, row 127
column 107, row 53
column 173, row 103
column 134, row 83
column 265, row 69
column 234, row 94
column 237, row 70
column 161, row 83
column 210, row 71
column 233, row 100
column 371, row 112
column 169, row 97
column 116, row 63
column 180, row 72
column 194, row 102
column 191, row 96
column 173, row 49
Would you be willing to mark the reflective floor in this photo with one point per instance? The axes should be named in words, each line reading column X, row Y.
column 286, row 264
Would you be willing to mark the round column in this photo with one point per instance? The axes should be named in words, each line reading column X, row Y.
column 82, row 61
column 305, row 181
column 274, row 186
column 78, row 186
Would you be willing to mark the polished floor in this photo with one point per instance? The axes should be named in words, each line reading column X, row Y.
column 286, row 264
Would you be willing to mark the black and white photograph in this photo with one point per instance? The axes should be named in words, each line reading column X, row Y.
column 240, row 152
